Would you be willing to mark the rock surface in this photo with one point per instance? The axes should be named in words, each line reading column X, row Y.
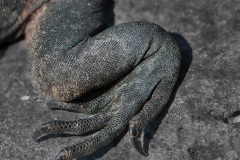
column 193, row 126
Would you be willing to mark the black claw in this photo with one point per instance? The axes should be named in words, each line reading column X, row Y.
column 39, row 132
column 36, row 135
column 136, row 139
column 53, row 104
column 60, row 156
column 63, row 155
column 137, row 144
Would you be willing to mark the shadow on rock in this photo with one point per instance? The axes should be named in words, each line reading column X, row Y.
column 2, row 51
column 109, row 20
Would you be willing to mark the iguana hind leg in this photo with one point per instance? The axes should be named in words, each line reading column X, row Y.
column 135, row 100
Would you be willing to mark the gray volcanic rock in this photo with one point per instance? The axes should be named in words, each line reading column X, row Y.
column 193, row 125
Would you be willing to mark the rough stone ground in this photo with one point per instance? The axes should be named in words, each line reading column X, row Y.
column 193, row 125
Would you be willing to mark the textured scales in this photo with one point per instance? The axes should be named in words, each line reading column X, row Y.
column 122, row 76
column 14, row 16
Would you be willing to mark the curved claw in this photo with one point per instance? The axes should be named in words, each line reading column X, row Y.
column 47, row 128
column 62, row 155
column 136, row 138
column 53, row 104
column 40, row 132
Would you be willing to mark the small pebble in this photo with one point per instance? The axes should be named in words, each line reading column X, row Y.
column 24, row 98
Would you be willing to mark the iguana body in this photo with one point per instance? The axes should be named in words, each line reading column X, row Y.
column 130, row 69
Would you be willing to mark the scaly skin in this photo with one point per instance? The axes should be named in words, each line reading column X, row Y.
column 14, row 16
column 72, row 53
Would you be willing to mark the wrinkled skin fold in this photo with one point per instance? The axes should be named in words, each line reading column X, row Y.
column 72, row 53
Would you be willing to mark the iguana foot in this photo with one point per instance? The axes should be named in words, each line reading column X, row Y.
column 133, row 101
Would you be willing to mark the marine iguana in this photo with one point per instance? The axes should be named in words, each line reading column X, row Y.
column 133, row 66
